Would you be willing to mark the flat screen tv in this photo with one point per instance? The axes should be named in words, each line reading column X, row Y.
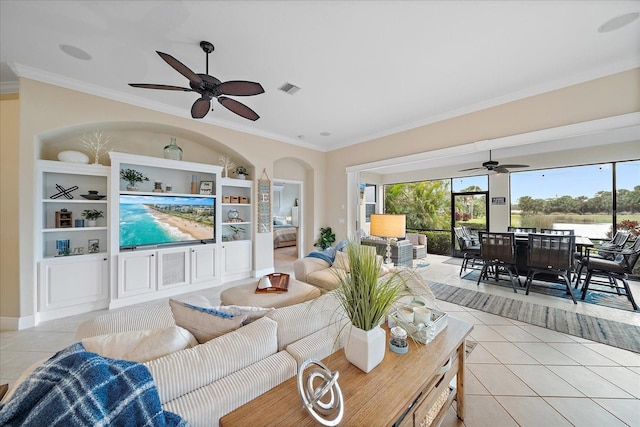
column 161, row 220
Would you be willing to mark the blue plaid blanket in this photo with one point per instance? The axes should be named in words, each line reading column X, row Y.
column 79, row 388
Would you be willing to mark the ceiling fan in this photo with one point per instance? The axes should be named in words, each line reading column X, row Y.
column 494, row 166
column 209, row 87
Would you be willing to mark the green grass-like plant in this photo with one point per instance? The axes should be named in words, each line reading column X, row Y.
column 365, row 297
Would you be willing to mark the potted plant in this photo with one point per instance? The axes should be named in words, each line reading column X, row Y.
column 326, row 239
column 241, row 172
column 367, row 298
column 236, row 232
column 132, row 176
column 91, row 215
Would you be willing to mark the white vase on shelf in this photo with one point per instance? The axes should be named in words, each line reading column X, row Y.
column 365, row 349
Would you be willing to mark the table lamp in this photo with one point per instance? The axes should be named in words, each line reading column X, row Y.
column 388, row 226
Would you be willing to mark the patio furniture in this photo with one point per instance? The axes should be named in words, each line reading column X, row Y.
column 419, row 242
column 607, row 250
column 561, row 232
column 521, row 230
column 551, row 254
column 617, row 269
column 498, row 252
column 469, row 247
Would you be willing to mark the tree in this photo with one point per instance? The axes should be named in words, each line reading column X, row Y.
column 426, row 203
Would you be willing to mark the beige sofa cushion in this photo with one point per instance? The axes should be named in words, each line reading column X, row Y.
column 327, row 279
column 187, row 370
column 141, row 346
column 203, row 322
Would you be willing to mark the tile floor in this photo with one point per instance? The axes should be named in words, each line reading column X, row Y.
column 517, row 375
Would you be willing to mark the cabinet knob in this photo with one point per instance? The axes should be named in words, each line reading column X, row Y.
column 104, row 259
column 152, row 254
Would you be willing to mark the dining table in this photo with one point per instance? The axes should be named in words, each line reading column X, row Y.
column 522, row 250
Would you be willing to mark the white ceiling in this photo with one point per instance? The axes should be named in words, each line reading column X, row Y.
column 366, row 68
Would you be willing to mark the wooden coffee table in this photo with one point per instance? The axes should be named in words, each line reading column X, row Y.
column 401, row 391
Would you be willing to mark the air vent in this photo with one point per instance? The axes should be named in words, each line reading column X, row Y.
column 289, row 88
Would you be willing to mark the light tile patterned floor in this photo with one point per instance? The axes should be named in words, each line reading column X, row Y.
column 517, row 375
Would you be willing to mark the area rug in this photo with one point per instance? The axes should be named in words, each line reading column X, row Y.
column 616, row 334
column 559, row 290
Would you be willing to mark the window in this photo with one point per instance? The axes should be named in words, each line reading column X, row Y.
column 370, row 200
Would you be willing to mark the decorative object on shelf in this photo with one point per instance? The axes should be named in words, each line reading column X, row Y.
column 233, row 214
column 206, row 187
column 157, row 187
column 93, row 195
column 226, row 163
column 326, row 239
column 79, row 222
column 62, row 247
column 168, row 188
column 78, row 251
column 241, row 172
column 94, row 246
column 194, row 184
column 236, row 232
column 132, row 177
column 172, row 151
column 97, row 143
column 313, row 385
column 390, row 227
column 64, row 192
column 264, row 203
column 72, row 156
column 366, row 299
column 91, row 216
column 63, row 219
column 398, row 343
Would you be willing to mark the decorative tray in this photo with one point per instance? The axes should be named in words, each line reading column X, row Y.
column 93, row 196
column 439, row 321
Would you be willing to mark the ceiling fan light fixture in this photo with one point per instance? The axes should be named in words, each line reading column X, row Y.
column 75, row 52
column 618, row 22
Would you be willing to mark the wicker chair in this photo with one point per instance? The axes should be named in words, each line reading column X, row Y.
column 498, row 252
column 617, row 269
column 419, row 242
column 551, row 253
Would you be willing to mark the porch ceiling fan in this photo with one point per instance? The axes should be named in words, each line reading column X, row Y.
column 209, row 87
column 494, row 166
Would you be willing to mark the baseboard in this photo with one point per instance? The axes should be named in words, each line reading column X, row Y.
column 17, row 323
column 263, row 272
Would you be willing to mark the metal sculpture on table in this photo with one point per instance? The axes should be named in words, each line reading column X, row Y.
column 320, row 392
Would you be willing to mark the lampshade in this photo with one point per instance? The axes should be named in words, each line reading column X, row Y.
column 383, row 225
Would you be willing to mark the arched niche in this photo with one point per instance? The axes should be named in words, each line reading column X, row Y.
column 146, row 139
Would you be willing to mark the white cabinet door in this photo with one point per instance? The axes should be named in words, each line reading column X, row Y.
column 203, row 263
column 136, row 273
column 70, row 281
column 237, row 258
column 173, row 267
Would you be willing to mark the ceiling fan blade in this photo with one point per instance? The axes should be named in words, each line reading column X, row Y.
column 240, row 88
column 470, row 169
column 514, row 166
column 238, row 108
column 200, row 108
column 165, row 87
column 180, row 67
column 501, row 169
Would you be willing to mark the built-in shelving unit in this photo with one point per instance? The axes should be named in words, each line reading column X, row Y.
column 237, row 227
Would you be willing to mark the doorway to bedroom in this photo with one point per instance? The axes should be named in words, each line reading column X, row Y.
column 287, row 219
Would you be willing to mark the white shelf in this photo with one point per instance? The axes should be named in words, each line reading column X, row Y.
column 159, row 194
column 84, row 201
column 72, row 229
column 236, row 223
column 236, row 204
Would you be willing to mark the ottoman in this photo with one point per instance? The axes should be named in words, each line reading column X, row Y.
column 246, row 295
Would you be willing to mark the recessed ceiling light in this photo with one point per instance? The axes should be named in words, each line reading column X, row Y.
column 300, row 136
column 76, row 52
column 618, row 22
column 324, row 134
column 289, row 88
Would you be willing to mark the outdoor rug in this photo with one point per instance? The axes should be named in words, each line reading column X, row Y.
column 559, row 290
column 617, row 334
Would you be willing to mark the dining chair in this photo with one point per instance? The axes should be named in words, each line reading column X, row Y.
column 561, row 232
column 607, row 250
column 551, row 254
column 468, row 246
column 521, row 229
column 617, row 269
column 498, row 252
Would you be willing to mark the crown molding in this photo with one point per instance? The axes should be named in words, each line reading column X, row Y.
column 9, row 87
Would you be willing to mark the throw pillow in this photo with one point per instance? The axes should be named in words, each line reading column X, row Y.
column 140, row 346
column 252, row 313
column 204, row 323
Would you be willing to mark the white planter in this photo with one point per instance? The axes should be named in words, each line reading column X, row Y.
column 365, row 349
column 90, row 223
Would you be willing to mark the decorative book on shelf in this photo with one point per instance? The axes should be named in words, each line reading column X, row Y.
column 274, row 282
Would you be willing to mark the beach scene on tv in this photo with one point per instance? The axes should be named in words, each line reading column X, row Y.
column 154, row 220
